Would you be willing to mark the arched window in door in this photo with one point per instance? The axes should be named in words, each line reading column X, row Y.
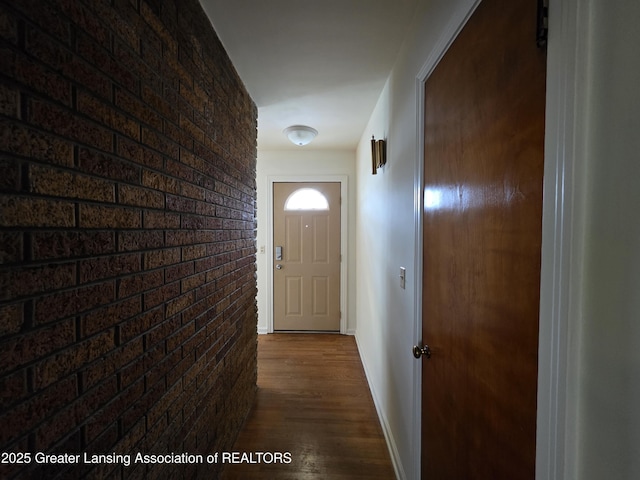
column 306, row 199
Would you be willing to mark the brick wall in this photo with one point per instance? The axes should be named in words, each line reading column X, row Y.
column 127, row 236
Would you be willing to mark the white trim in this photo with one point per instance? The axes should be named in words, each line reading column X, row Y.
column 344, row 241
column 453, row 28
column 562, row 224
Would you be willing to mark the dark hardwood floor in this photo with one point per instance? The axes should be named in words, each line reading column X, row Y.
column 314, row 403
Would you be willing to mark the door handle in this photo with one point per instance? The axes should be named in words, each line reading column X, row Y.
column 421, row 351
column 278, row 267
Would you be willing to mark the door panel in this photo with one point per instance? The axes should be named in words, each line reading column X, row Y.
column 293, row 235
column 293, row 296
column 321, row 240
column 484, row 134
column 307, row 280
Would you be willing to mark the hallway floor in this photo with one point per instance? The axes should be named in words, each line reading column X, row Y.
column 313, row 402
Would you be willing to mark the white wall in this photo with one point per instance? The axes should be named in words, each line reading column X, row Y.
column 608, row 413
column 303, row 162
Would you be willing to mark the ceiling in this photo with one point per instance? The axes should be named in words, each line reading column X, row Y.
column 319, row 63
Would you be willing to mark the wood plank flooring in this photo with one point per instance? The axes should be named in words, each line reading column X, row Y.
column 314, row 402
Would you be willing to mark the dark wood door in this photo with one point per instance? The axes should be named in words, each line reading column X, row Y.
column 484, row 135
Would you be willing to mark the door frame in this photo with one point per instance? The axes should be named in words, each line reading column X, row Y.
column 563, row 219
column 344, row 240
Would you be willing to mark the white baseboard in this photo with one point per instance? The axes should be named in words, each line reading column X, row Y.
column 391, row 444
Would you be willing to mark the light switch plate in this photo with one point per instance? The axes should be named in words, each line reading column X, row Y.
column 403, row 277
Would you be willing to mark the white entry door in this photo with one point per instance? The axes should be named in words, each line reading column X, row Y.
column 306, row 256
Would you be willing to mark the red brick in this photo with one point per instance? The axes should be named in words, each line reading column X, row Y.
column 62, row 122
column 157, row 371
column 180, row 204
column 193, row 282
column 117, row 22
column 9, row 100
column 59, row 183
column 139, row 408
column 36, row 345
column 28, row 414
column 34, row 212
column 66, row 304
column 180, row 303
column 96, row 55
column 106, row 267
column 161, row 258
column 193, row 222
column 46, row 17
column 95, row 216
column 181, row 137
column 39, row 77
column 107, row 317
column 112, row 363
column 180, row 337
column 103, row 442
column 159, row 104
column 140, row 240
column 107, row 115
column 180, row 237
column 85, row 20
column 29, row 281
column 161, row 295
column 108, row 166
column 161, row 220
column 8, row 26
column 206, row 209
column 193, row 130
column 139, row 154
column 100, row 421
column 192, row 191
column 192, row 252
column 88, row 76
column 176, row 272
column 159, row 181
column 10, row 247
column 159, row 142
column 13, row 389
column 141, row 197
column 134, row 284
column 172, row 68
column 66, row 244
column 160, row 408
column 135, row 327
column 57, row 366
column 158, row 27
column 196, row 98
column 11, row 318
column 69, row 419
column 184, row 207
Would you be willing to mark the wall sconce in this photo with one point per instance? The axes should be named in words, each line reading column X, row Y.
column 300, row 134
column 378, row 154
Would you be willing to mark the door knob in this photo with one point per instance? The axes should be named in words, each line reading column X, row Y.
column 278, row 267
column 420, row 351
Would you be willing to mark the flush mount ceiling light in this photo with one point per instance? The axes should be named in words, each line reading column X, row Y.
column 300, row 134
